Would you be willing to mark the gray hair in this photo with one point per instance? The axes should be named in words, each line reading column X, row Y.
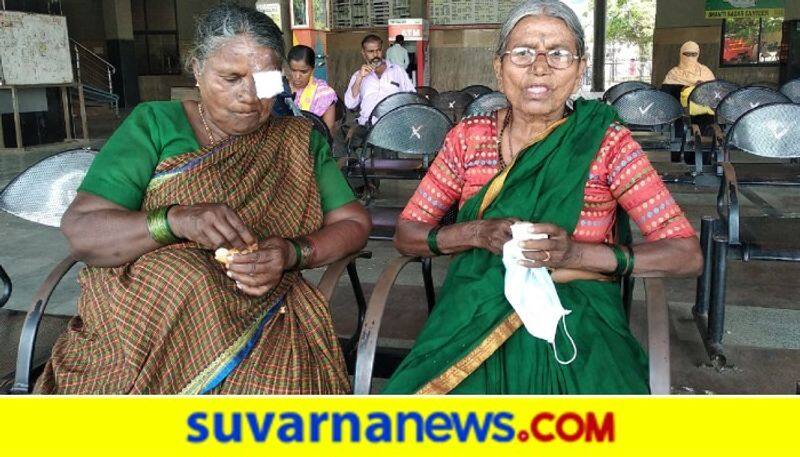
column 223, row 22
column 552, row 8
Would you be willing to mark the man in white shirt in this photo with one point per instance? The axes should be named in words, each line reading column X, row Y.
column 376, row 80
column 397, row 54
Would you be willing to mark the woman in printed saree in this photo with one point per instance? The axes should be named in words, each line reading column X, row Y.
column 177, row 181
column 311, row 94
column 572, row 173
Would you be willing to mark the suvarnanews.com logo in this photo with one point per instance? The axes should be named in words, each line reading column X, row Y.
column 398, row 427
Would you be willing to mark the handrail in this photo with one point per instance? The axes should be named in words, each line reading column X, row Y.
column 108, row 64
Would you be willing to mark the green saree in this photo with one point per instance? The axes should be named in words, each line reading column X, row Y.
column 474, row 342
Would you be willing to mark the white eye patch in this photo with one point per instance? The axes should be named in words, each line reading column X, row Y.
column 268, row 83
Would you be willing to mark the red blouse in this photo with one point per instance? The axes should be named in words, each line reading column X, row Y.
column 619, row 174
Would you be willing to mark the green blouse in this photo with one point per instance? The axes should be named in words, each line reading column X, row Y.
column 155, row 131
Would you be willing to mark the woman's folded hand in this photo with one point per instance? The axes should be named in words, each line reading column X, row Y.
column 258, row 272
column 492, row 234
column 212, row 225
column 555, row 251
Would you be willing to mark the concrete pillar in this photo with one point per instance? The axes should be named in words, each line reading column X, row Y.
column 118, row 23
column 599, row 53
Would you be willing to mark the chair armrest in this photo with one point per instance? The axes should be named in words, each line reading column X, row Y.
column 368, row 341
column 657, row 335
column 329, row 280
column 6, row 287
column 728, row 202
column 30, row 327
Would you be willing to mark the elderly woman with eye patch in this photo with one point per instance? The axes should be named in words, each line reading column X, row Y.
column 177, row 181
column 577, row 175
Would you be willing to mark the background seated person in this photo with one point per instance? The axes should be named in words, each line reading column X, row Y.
column 310, row 94
column 680, row 80
column 374, row 81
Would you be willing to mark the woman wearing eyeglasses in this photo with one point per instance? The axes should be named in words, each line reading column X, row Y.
column 575, row 174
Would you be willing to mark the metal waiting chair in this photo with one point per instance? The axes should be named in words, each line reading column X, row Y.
column 710, row 94
column 427, row 91
column 453, row 104
column 616, row 91
column 477, row 90
column 417, row 130
column 734, row 105
column 792, row 90
column 657, row 121
column 486, row 104
column 657, row 326
column 42, row 194
column 394, row 101
column 768, row 131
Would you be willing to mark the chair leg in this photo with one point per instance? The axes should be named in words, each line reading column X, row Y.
column 427, row 278
column 704, row 281
column 361, row 302
column 716, row 310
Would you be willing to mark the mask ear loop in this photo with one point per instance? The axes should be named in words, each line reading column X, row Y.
column 574, row 348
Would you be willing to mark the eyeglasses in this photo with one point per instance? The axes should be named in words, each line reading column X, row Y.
column 557, row 59
column 691, row 54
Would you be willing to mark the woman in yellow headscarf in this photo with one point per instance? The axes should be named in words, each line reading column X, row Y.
column 688, row 74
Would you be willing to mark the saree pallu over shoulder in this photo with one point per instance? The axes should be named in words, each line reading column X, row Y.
column 172, row 321
column 474, row 342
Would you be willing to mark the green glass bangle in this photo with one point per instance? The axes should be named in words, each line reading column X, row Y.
column 433, row 246
column 629, row 266
column 298, row 254
column 158, row 226
column 622, row 260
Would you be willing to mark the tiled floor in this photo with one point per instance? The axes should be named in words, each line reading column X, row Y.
column 763, row 317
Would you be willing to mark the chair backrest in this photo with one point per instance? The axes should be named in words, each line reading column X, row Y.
column 792, row 90
column 477, row 90
column 710, row 93
column 427, row 91
column 340, row 109
column 43, row 192
column 410, row 129
column 769, row 131
column 319, row 125
column 743, row 100
column 648, row 107
column 452, row 103
column 6, row 293
column 393, row 101
column 618, row 90
column 487, row 103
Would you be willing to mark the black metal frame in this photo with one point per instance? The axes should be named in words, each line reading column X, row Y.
column 635, row 85
column 720, row 241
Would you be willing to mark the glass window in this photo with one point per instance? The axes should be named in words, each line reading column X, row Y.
column 156, row 37
column 751, row 41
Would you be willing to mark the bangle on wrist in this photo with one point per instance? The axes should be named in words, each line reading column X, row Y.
column 630, row 264
column 298, row 254
column 621, row 258
column 304, row 248
column 433, row 245
column 158, row 225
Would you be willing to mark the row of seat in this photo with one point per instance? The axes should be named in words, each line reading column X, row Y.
column 755, row 120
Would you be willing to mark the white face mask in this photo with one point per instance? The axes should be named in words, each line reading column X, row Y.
column 532, row 294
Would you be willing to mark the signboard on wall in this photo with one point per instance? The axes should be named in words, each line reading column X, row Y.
column 411, row 29
column 273, row 10
column 733, row 9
